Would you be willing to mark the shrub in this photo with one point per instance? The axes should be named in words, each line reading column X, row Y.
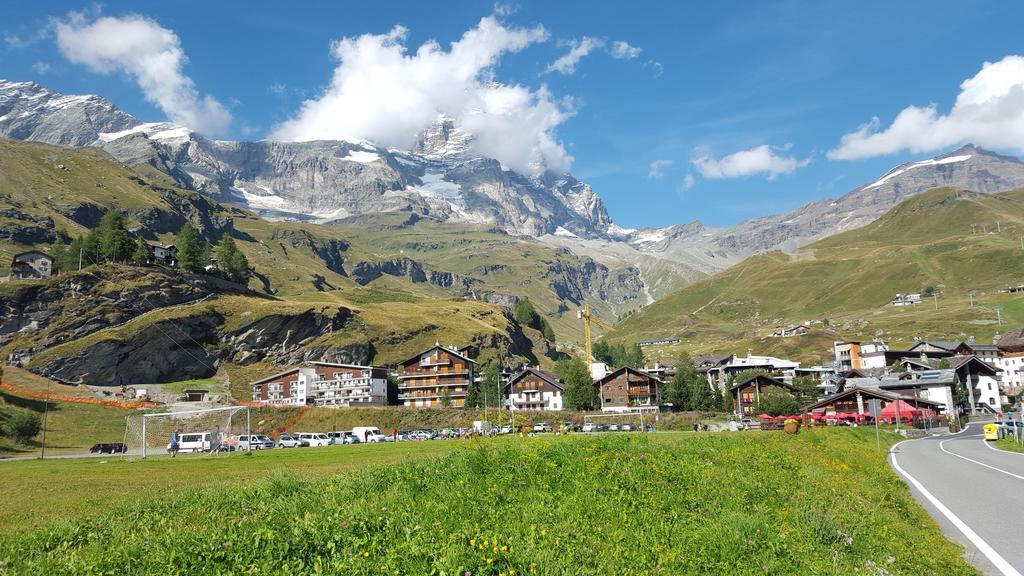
column 22, row 426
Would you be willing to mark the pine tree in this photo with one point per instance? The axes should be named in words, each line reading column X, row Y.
column 114, row 240
column 140, row 256
column 806, row 389
column 191, row 249
column 473, row 396
column 446, row 398
column 232, row 261
column 579, row 389
column 492, row 385
column 92, row 252
column 547, row 330
column 59, row 253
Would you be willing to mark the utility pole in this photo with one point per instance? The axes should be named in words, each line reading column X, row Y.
column 999, row 227
column 935, row 298
column 999, row 314
column 974, row 228
column 80, row 250
column 970, row 296
column 984, row 228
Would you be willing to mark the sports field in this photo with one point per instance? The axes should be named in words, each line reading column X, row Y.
column 821, row 502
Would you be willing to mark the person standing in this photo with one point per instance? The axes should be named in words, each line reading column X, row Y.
column 215, row 442
column 174, row 446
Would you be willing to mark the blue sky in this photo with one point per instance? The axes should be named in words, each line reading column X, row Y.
column 782, row 80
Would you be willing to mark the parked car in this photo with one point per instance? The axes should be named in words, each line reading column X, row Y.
column 109, row 448
column 542, row 427
column 613, row 428
column 368, row 434
column 267, row 442
column 193, row 442
column 246, row 442
column 313, row 439
column 590, row 427
column 288, row 441
column 626, row 428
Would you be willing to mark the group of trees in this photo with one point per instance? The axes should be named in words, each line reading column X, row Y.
column 525, row 314
column 619, row 355
column 690, row 390
column 111, row 242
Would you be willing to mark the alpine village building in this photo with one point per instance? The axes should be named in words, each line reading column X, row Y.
column 746, row 395
column 627, row 389
column 324, row 384
column 535, row 389
column 438, row 374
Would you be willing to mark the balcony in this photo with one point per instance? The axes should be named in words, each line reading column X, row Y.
column 429, row 395
column 432, row 384
column 434, row 374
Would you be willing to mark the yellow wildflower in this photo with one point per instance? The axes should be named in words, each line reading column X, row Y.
column 504, row 548
column 472, row 542
column 366, row 554
column 489, row 560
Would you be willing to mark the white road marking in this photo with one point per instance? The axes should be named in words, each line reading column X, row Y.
column 998, row 561
column 1000, row 450
column 943, row 448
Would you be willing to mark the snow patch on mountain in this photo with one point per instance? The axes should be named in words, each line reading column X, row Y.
column 901, row 169
column 151, row 130
column 362, row 156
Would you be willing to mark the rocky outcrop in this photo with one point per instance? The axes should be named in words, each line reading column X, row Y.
column 594, row 280
column 279, row 336
column 331, row 251
column 74, row 305
column 21, row 228
column 165, row 351
column 67, row 121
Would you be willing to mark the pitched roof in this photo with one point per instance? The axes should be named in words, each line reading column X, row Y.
column 30, row 252
column 947, row 345
column 612, row 375
column 442, row 347
column 275, row 376
column 1012, row 339
column 869, row 391
column 766, row 380
column 542, row 374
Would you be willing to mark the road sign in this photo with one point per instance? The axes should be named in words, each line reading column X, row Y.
column 875, row 408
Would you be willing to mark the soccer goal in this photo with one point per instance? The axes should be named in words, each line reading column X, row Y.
column 639, row 418
column 196, row 431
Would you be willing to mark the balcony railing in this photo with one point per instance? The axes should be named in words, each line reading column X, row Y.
column 432, row 384
column 434, row 374
column 421, row 395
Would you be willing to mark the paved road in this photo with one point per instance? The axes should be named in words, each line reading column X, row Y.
column 974, row 491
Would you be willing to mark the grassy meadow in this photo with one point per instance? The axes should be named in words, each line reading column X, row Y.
column 821, row 502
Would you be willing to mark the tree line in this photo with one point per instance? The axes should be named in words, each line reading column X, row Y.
column 112, row 243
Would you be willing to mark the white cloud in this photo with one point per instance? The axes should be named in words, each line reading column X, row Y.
column 760, row 160
column 657, row 169
column 566, row 64
column 989, row 111
column 656, row 68
column 381, row 93
column 688, row 182
column 151, row 55
column 623, row 51
column 41, row 67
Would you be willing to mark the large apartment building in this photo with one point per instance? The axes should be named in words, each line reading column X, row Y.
column 436, row 376
column 324, row 384
column 535, row 389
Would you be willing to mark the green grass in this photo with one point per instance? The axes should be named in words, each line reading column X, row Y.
column 821, row 502
column 71, row 428
column 1009, row 444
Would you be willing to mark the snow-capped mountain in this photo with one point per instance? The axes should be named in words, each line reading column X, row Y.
column 440, row 176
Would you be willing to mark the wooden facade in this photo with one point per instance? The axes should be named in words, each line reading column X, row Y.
column 277, row 389
column 426, row 379
column 746, row 395
column 534, row 389
column 627, row 388
column 324, row 384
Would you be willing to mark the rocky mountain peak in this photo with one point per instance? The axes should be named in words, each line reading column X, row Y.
column 443, row 139
column 29, row 111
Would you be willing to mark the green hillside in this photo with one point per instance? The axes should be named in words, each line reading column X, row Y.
column 842, row 284
column 48, row 190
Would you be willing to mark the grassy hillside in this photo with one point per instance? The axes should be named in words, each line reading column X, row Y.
column 754, row 503
column 844, row 283
column 48, row 189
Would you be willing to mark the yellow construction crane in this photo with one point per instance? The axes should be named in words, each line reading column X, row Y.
column 584, row 314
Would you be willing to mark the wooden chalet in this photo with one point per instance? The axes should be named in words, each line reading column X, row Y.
column 535, row 389
column 854, row 400
column 627, row 388
column 440, row 372
column 746, row 395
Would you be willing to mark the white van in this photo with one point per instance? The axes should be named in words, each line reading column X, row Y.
column 313, row 439
column 193, row 442
column 368, row 434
